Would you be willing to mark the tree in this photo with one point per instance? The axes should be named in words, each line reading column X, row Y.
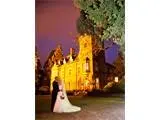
column 58, row 54
column 37, row 60
column 86, row 26
column 104, row 15
column 48, row 64
column 38, row 69
column 119, row 66
column 53, row 57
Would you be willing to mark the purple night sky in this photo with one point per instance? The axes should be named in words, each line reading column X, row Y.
column 56, row 24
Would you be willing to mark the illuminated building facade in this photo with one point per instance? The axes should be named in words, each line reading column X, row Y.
column 85, row 71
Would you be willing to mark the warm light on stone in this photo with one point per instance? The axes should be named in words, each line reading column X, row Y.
column 64, row 61
column 73, row 72
column 70, row 58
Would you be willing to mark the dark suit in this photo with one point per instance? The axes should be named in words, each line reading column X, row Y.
column 54, row 94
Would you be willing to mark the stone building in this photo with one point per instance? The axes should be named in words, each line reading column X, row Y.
column 83, row 71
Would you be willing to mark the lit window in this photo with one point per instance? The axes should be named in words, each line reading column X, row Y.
column 87, row 65
column 97, row 80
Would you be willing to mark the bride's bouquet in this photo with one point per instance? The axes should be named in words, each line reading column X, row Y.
column 62, row 95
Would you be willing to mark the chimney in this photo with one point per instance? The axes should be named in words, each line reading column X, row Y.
column 64, row 61
column 71, row 51
column 70, row 58
column 59, row 62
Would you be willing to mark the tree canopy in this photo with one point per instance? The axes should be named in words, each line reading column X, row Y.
column 103, row 18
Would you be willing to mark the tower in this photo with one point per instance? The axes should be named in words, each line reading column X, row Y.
column 86, row 59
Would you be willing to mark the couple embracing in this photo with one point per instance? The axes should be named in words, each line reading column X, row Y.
column 60, row 102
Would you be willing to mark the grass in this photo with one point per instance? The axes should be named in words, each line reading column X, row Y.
column 97, row 108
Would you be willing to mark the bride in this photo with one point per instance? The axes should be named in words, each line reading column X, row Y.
column 62, row 103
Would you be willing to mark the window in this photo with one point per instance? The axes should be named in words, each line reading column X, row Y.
column 70, row 72
column 87, row 65
column 85, row 45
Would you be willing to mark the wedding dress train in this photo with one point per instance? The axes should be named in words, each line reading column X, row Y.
column 63, row 105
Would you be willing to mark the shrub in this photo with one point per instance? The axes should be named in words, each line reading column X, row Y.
column 44, row 90
column 113, row 87
column 108, row 86
column 122, row 85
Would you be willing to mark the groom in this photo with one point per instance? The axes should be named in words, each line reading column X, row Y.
column 54, row 92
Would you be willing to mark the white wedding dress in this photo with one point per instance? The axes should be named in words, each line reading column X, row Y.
column 63, row 105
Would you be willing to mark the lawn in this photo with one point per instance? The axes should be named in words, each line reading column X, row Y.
column 93, row 108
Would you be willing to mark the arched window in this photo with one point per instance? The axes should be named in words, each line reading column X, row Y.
column 87, row 65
